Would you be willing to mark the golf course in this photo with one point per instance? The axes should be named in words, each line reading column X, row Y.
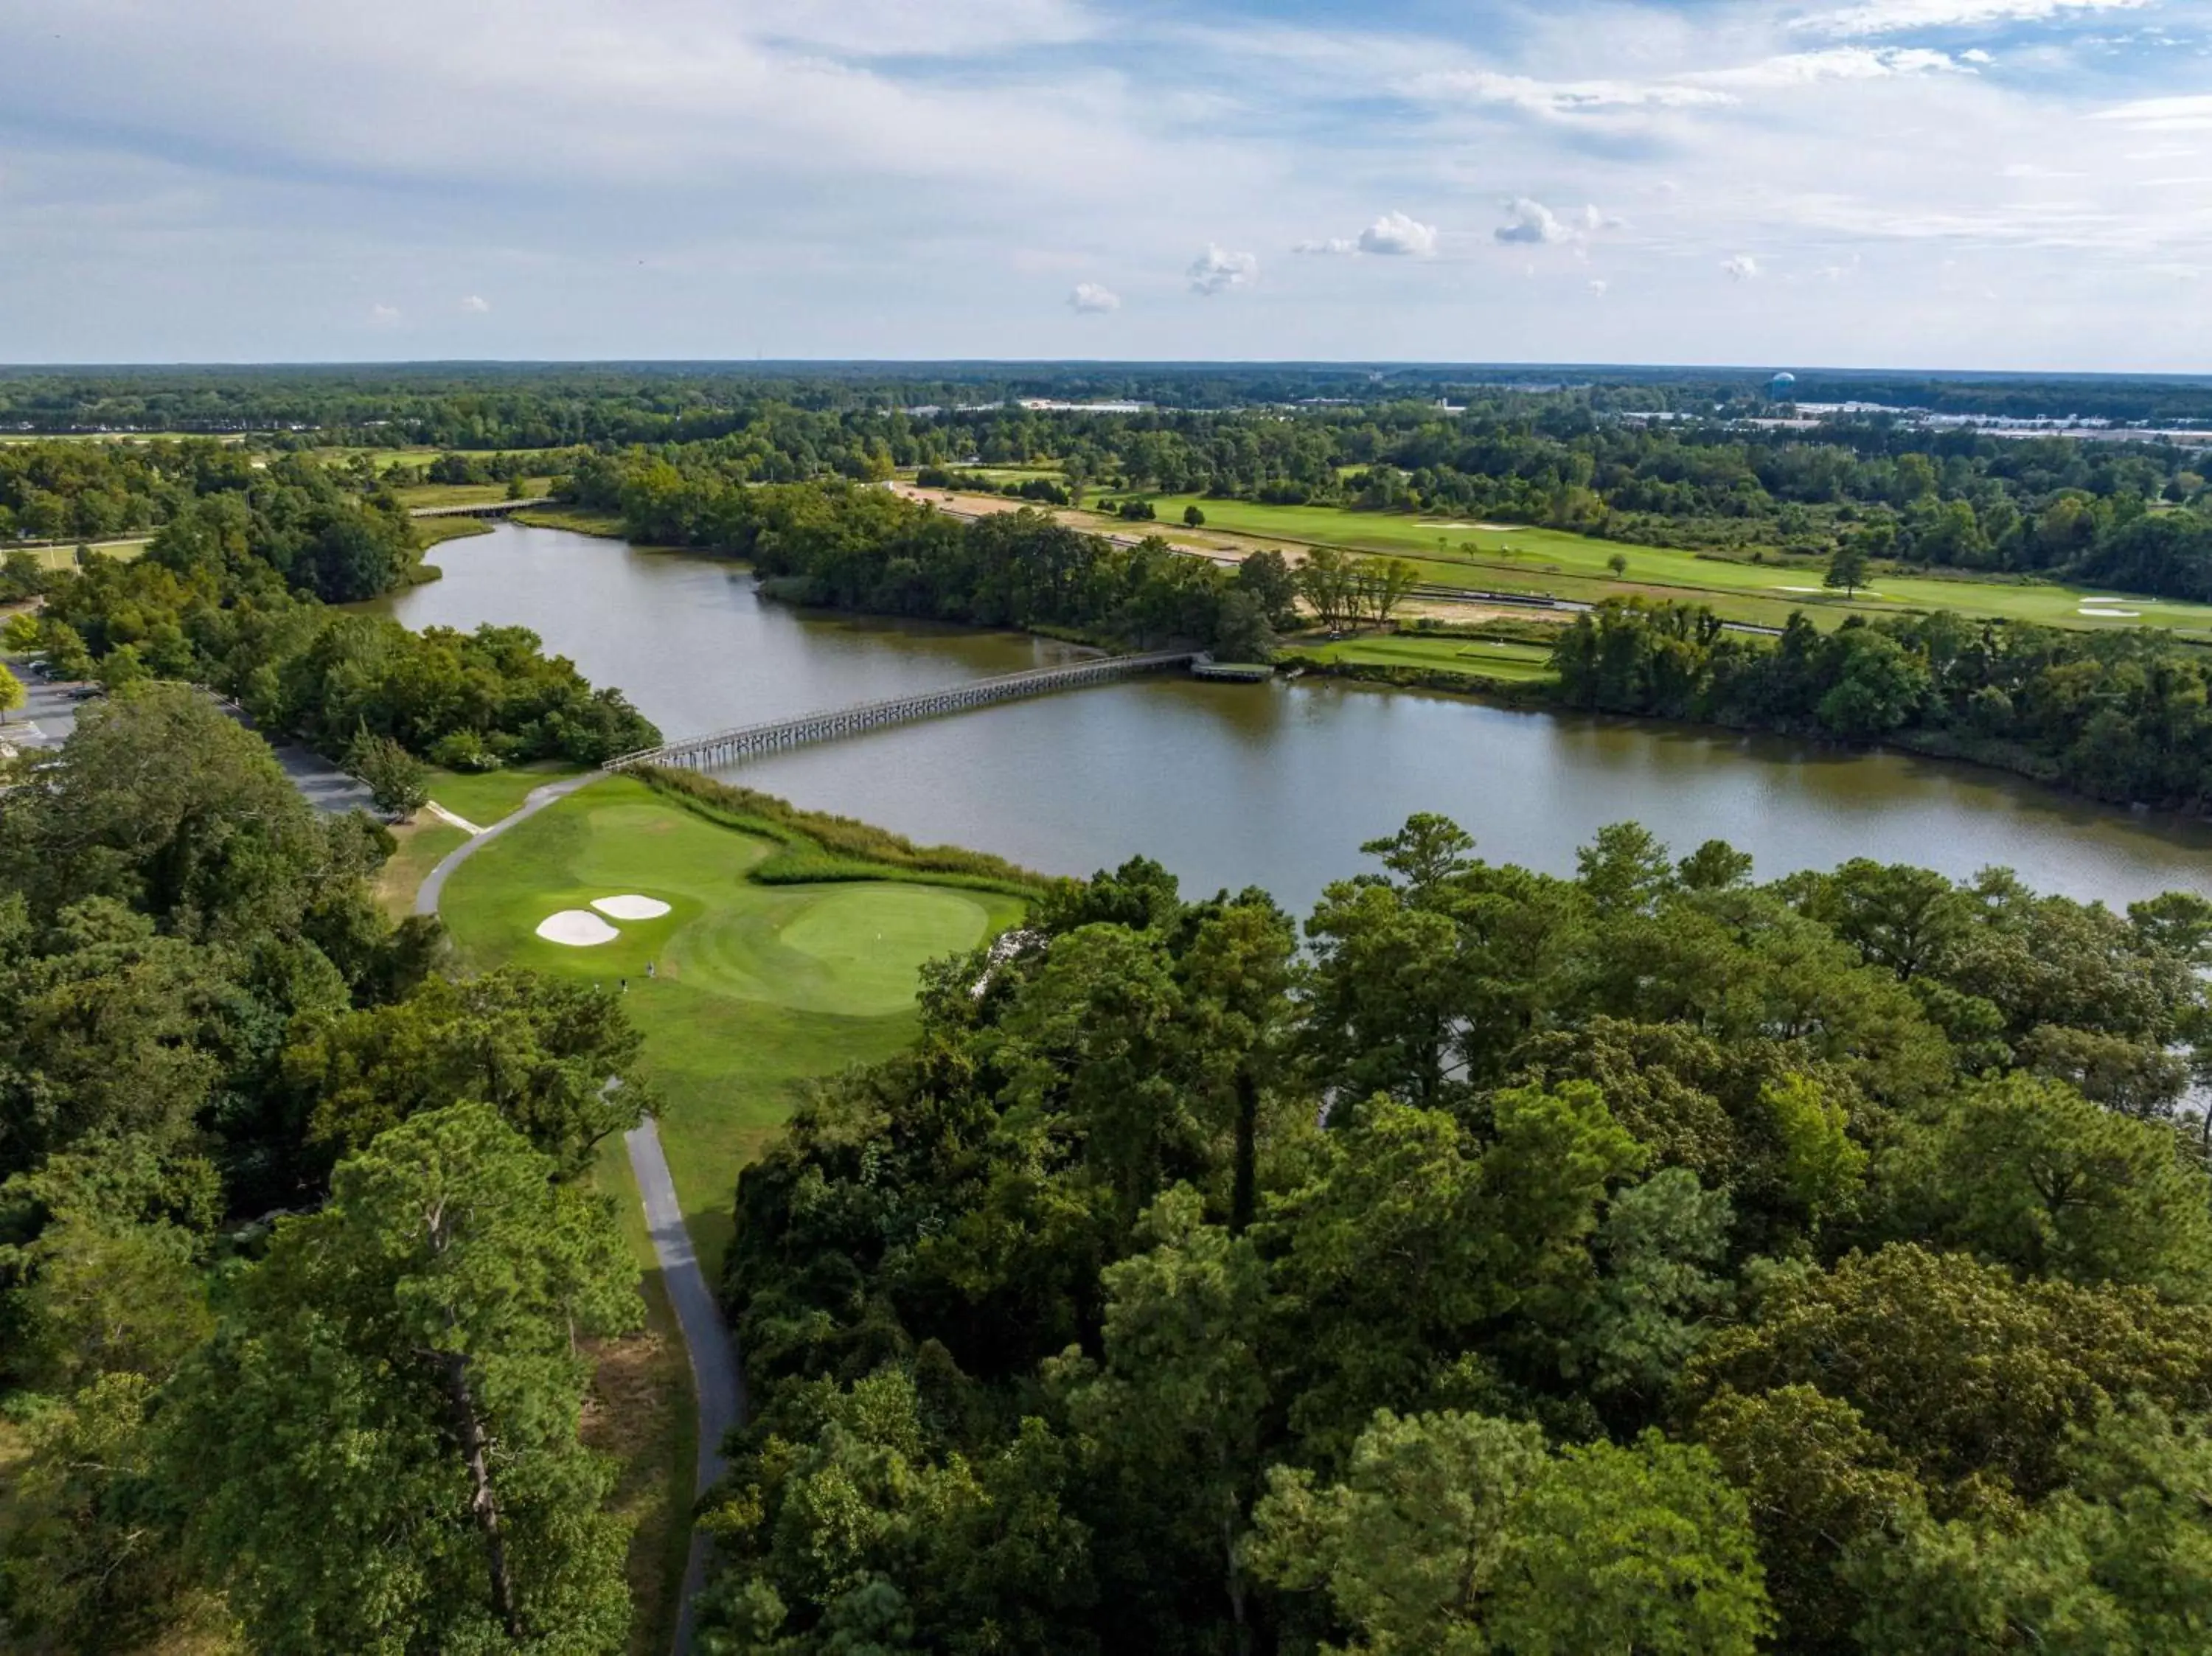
column 744, row 991
column 1559, row 563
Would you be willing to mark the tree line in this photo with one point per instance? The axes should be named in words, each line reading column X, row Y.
column 236, row 592
column 2119, row 716
column 867, row 549
column 1647, row 1259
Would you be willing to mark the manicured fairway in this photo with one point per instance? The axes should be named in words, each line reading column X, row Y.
column 1454, row 552
column 757, row 989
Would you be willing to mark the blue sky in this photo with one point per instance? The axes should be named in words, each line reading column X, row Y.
column 1958, row 183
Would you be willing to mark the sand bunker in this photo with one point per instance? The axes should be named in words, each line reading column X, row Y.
column 2111, row 615
column 1495, row 529
column 578, row 927
column 631, row 906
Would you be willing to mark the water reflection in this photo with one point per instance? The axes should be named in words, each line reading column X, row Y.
column 1233, row 785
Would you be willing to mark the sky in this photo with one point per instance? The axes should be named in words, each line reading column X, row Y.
column 1972, row 184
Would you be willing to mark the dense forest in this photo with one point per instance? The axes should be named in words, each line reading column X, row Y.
column 287, row 1221
column 1646, row 1260
column 2124, row 717
column 235, row 592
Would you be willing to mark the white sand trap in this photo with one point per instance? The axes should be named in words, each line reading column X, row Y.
column 631, row 906
column 2110, row 615
column 1800, row 589
column 577, row 927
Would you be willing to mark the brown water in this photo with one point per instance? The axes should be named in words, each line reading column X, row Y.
column 1232, row 784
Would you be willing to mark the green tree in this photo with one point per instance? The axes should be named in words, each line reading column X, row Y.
column 425, row 1320
column 12, row 693
column 398, row 781
column 557, row 1059
column 1848, row 565
column 1193, row 517
column 1173, row 1416
column 2119, row 1561
column 1460, row 1535
column 2031, row 1173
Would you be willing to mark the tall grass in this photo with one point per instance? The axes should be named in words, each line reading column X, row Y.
column 815, row 846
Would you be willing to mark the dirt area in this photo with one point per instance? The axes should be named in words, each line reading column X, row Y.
column 635, row 1411
column 1203, row 542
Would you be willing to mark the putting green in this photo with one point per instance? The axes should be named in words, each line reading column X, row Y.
column 756, row 990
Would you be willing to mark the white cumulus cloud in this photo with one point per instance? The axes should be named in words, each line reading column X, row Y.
column 383, row 316
column 1531, row 224
column 1339, row 245
column 1396, row 233
column 1093, row 300
column 1897, row 17
column 1598, row 286
column 1742, row 268
column 476, row 305
column 1216, row 271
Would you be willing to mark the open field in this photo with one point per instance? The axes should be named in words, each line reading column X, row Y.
column 65, row 557
column 1488, row 658
column 384, row 459
column 1461, row 554
column 757, row 989
column 414, row 495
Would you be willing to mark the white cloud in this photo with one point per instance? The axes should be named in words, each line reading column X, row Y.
column 1217, row 271
column 1741, row 267
column 1396, row 233
column 1535, row 225
column 383, row 316
column 1976, row 56
column 2187, row 114
column 1598, row 286
column 1561, row 97
column 1333, row 246
column 1833, row 64
column 1899, row 17
column 476, row 305
column 1093, row 300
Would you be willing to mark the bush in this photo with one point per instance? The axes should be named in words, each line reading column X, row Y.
column 1138, row 511
column 398, row 781
column 463, row 750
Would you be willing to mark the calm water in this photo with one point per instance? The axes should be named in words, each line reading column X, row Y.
column 1236, row 785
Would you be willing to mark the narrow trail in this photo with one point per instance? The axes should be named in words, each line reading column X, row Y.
column 716, row 1381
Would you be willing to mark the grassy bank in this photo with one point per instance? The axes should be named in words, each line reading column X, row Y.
column 815, row 846
column 757, row 988
column 484, row 797
column 579, row 519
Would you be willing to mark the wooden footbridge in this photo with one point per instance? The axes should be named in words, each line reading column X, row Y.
column 734, row 747
column 482, row 508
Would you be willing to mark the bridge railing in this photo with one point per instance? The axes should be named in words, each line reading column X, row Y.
column 746, row 740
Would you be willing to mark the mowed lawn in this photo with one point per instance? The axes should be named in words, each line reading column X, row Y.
column 484, row 797
column 757, row 989
column 1455, row 552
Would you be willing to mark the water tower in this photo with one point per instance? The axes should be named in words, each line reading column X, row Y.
column 1782, row 388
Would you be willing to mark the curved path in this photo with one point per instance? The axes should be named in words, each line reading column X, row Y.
column 433, row 883
column 715, row 1380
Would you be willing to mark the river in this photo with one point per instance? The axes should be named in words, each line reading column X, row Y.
column 1231, row 785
